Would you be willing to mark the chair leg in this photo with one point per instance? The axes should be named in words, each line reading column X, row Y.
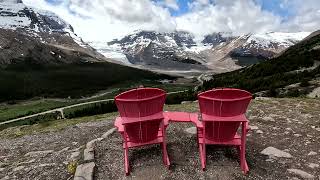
column 165, row 156
column 202, row 156
column 243, row 162
column 126, row 161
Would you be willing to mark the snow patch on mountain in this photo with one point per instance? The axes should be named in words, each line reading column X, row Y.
column 198, row 48
column 11, row 16
column 279, row 38
column 111, row 52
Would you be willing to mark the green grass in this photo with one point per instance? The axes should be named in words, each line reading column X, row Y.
column 21, row 109
column 58, row 125
column 8, row 112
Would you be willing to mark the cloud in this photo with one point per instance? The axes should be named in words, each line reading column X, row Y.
column 172, row 4
column 239, row 17
column 97, row 20
column 306, row 18
column 105, row 20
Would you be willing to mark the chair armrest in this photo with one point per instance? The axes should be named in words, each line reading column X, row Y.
column 118, row 124
column 194, row 117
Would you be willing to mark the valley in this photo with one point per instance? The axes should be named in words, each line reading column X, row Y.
column 45, row 65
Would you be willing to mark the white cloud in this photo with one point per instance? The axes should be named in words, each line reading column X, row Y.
column 239, row 17
column 172, row 4
column 108, row 19
column 306, row 18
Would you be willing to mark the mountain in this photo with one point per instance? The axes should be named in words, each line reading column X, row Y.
column 294, row 72
column 40, row 55
column 24, row 29
column 217, row 52
column 160, row 50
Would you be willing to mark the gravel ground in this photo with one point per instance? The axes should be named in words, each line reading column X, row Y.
column 290, row 125
column 56, row 149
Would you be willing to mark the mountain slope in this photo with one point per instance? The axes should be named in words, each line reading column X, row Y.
column 40, row 55
column 299, row 63
column 217, row 52
column 160, row 50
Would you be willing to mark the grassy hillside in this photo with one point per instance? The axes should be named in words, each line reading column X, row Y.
column 26, row 79
column 275, row 73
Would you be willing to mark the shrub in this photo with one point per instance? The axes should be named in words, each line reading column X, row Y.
column 304, row 83
column 91, row 109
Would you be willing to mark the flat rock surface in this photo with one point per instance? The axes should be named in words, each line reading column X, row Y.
column 291, row 116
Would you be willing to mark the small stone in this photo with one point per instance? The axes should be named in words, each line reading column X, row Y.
column 64, row 149
column 28, row 162
column 186, row 102
column 267, row 118
column 270, row 160
column 90, row 144
column 88, row 154
column 318, row 129
column 259, row 132
column 271, row 151
column 75, row 155
column 313, row 165
column 2, row 169
column 3, row 164
column 301, row 173
column 297, row 135
column 294, row 178
column 18, row 168
column 85, row 171
column 47, row 164
column 289, row 129
column 192, row 130
column 312, row 153
column 76, row 149
column 38, row 153
column 74, row 143
column 253, row 127
column 108, row 133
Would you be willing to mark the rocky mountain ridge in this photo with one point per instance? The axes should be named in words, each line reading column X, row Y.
column 217, row 51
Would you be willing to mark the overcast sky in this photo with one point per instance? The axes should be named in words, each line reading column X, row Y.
column 105, row 20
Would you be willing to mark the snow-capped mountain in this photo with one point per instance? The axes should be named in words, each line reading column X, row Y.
column 218, row 51
column 267, row 45
column 23, row 28
column 159, row 50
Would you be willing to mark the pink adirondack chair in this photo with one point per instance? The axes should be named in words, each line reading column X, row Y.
column 222, row 112
column 141, row 121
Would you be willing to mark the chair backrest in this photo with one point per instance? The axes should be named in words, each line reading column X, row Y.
column 226, row 102
column 142, row 112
